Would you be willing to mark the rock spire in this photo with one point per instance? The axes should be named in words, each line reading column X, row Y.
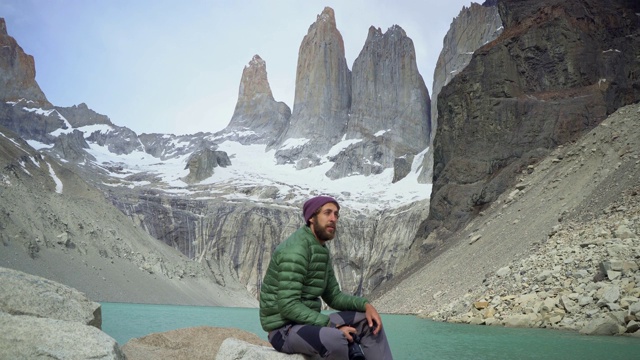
column 17, row 71
column 257, row 118
column 323, row 89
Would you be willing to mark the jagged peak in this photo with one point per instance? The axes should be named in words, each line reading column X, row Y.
column 326, row 19
column 391, row 31
column 374, row 31
column 3, row 27
column 256, row 60
column 395, row 29
column 327, row 15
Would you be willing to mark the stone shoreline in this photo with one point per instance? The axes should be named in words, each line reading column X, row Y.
column 584, row 278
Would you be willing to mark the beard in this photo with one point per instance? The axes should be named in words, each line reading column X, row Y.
column 325, row 233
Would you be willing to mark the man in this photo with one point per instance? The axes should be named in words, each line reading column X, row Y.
column 299, row 274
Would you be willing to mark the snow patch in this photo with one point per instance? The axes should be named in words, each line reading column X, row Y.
column 293, row 143
column 56, row 179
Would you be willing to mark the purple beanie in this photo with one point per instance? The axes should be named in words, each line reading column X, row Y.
column 312, row 205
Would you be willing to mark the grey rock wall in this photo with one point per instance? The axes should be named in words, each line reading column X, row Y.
column 548, row 79
column 322, row 95
column 390, row 105
column 236, row 239
column 474, row 27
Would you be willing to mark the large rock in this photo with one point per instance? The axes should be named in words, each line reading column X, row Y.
column 603, row 325
column 239, row 350
column 40, row 318
column 202, row 163
column 29, row 337
column 24, row 294
column 194, row 343
column 558, row 69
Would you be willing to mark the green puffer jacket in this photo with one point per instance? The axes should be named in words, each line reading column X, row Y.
column 299, row 274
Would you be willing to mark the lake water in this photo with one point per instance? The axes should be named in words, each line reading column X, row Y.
column 410, row 338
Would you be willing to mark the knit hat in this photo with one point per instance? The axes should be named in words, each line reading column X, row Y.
column 312, row 205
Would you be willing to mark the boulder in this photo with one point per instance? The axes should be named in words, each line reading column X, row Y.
column 24, row 294
column 201, row 342
column 30, row 337
column 239, row 350
column 603, row 325
column 520, row 320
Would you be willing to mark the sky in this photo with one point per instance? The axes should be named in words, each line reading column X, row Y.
column 166, row 66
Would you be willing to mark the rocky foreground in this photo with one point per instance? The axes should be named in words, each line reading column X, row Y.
column 41, row 318
column 584, row 278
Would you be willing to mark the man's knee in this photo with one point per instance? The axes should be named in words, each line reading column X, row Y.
column 334, row 341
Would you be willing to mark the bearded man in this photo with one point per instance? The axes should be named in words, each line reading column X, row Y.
column 299, row 275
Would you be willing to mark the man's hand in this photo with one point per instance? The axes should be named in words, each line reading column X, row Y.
column 347, row 331
column 373, row 318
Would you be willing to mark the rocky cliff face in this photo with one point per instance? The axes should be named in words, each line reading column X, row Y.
column 239, row 237
column 554, row 73
column 474, row 27
column 257, row 118
column 17, row 72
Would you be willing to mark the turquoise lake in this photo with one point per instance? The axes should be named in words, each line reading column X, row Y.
column 409, row 337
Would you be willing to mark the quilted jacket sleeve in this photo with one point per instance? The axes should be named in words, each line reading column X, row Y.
column 338, row 300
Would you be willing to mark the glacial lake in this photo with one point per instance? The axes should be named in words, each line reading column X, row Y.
column 410, row 338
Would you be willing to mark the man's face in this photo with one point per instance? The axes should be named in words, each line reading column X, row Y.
column 324, row 222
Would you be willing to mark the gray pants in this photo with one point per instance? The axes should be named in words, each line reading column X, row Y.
column 328, row 342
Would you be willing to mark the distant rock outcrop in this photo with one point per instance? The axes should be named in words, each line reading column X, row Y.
column 379, row 112
column 557, row 70
column 82, row 115
column 257, row 118
column 71, row 146
column 17, row 72
column 202, row 163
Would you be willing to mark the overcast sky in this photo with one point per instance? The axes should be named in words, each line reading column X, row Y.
column 171, row 66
